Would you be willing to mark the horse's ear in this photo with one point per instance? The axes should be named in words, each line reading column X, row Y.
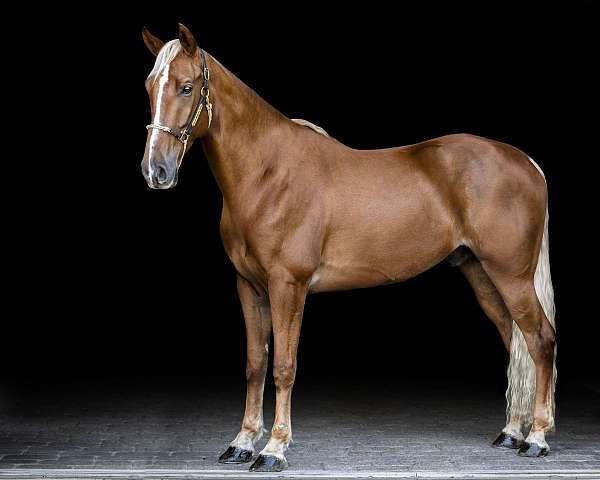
column 154, row 44
column 188, row 42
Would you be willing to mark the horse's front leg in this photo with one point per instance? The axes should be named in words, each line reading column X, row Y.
column 258, row 332
column 287, row 296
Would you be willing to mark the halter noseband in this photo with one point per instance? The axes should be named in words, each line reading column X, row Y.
column 184, row 135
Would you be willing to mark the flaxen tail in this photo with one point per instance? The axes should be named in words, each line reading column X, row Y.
column 521, row 370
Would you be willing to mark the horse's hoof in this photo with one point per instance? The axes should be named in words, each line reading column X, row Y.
column 505, row 440
column 269, row 463
column 533, row 450
column 235, row 455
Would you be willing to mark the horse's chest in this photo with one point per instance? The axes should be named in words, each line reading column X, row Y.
column 244, row 259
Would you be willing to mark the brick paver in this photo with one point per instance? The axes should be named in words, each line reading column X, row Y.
column 336, row 429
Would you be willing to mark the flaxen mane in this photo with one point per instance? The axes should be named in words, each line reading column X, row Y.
column 312, row 126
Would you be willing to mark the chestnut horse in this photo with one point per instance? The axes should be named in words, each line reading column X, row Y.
column 303, row 213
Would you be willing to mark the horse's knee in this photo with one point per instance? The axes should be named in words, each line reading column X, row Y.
column 284, row 374
column 256, row 368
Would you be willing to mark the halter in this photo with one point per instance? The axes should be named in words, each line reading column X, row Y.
column 184, row 135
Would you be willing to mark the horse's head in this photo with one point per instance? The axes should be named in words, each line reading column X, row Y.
column 178, row 87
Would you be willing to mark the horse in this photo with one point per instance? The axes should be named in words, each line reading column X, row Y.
column 303, row 213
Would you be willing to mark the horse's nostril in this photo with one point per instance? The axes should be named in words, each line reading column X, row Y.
column 161, row 174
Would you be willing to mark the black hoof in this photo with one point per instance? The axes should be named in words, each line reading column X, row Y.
column 269, row 463
column 533, row 450
column 235, row 455
column 505, row 440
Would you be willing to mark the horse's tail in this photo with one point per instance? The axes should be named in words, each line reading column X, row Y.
column 521, row 370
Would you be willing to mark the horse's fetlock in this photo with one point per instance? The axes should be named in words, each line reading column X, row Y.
column 254, row 432
column 282, row 433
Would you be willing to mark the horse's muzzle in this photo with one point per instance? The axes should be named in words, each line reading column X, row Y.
column 160, row 175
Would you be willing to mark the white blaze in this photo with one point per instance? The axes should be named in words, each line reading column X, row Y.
column 162, row 83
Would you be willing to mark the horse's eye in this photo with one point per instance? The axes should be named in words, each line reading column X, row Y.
column 187, row 90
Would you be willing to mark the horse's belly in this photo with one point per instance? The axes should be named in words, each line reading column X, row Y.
column 373, row 261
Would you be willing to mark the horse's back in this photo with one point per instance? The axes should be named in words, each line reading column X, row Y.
column 484, row 160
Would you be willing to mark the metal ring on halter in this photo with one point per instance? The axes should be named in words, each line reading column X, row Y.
column 184, row 137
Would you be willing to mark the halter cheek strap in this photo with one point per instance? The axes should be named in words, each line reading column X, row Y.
column 184, row 134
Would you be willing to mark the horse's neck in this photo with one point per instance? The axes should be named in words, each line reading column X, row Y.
column 244, row 136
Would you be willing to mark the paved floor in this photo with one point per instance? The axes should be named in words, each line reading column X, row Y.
column 338, row 431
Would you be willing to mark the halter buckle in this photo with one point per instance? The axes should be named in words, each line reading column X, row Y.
column 184, row 137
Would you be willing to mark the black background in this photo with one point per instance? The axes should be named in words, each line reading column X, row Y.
column 107, row 279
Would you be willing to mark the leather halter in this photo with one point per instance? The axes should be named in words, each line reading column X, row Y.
column 184, row 134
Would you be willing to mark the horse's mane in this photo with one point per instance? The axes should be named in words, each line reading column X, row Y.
column 306, row 123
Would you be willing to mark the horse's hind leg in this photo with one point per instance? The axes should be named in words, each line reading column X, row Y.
column 494, row 307
column 257, row 315
column 519, row 295
column 488, row 297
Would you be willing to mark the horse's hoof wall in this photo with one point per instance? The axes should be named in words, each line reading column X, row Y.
column 505, row 440
column 269, row 463
column 533, row 450
column 235, row 455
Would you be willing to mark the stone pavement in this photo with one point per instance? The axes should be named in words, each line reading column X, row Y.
column 339, row 431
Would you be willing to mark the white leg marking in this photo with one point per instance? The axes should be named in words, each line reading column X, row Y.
column 514, row 429
column 162, row 82
column 538, row 437
column 246, row 441
column 274, row 448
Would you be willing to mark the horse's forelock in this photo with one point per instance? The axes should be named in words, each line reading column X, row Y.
column 165, row 57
